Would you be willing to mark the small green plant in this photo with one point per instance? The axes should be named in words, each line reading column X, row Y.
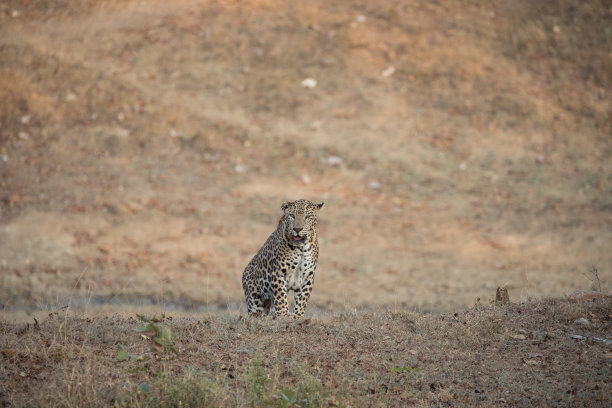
column 264, row 389
column 404, row 370
column 285, row 399
column 195, row 389
column 256, row 381
column 124, row 355
column 144, row 387
column 310, row 390
column 160, row 333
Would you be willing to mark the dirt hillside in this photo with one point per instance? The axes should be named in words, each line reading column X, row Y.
column 146, row 148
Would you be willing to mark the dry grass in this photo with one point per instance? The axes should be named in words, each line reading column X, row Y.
column 513, row 355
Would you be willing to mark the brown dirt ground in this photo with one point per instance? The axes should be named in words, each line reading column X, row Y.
column 146, row 147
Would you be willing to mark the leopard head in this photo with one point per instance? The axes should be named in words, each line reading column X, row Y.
column 299, row 221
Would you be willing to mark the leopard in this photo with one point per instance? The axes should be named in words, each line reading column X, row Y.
column 286, row 262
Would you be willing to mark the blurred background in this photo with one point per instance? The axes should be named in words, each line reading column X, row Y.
column 146, row 148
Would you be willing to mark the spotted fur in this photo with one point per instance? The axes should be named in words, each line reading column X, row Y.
column 286, row 262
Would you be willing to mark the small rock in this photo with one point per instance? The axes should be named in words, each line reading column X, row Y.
column 23, row 135
column 360, row 18
column 306, row 179
column 309, row 83
column 582, row 321
column 239, row 168
column 518, row 336
column 333, row 160
column 390, row 70
column 598, row 339
column 211, row 157
column 374, row 184
column 25, row 119
column 122, row 132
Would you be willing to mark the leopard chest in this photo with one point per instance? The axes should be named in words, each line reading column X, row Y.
column 297, row 267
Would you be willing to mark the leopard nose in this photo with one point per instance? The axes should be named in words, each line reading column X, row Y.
column 297, row 230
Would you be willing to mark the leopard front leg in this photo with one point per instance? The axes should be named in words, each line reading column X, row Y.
column 279, row 291
column 301, row 297
column 254, row 306
column 254, row 302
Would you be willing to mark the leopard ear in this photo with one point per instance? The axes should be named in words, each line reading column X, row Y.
column 319, row 205
column 285, row 205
